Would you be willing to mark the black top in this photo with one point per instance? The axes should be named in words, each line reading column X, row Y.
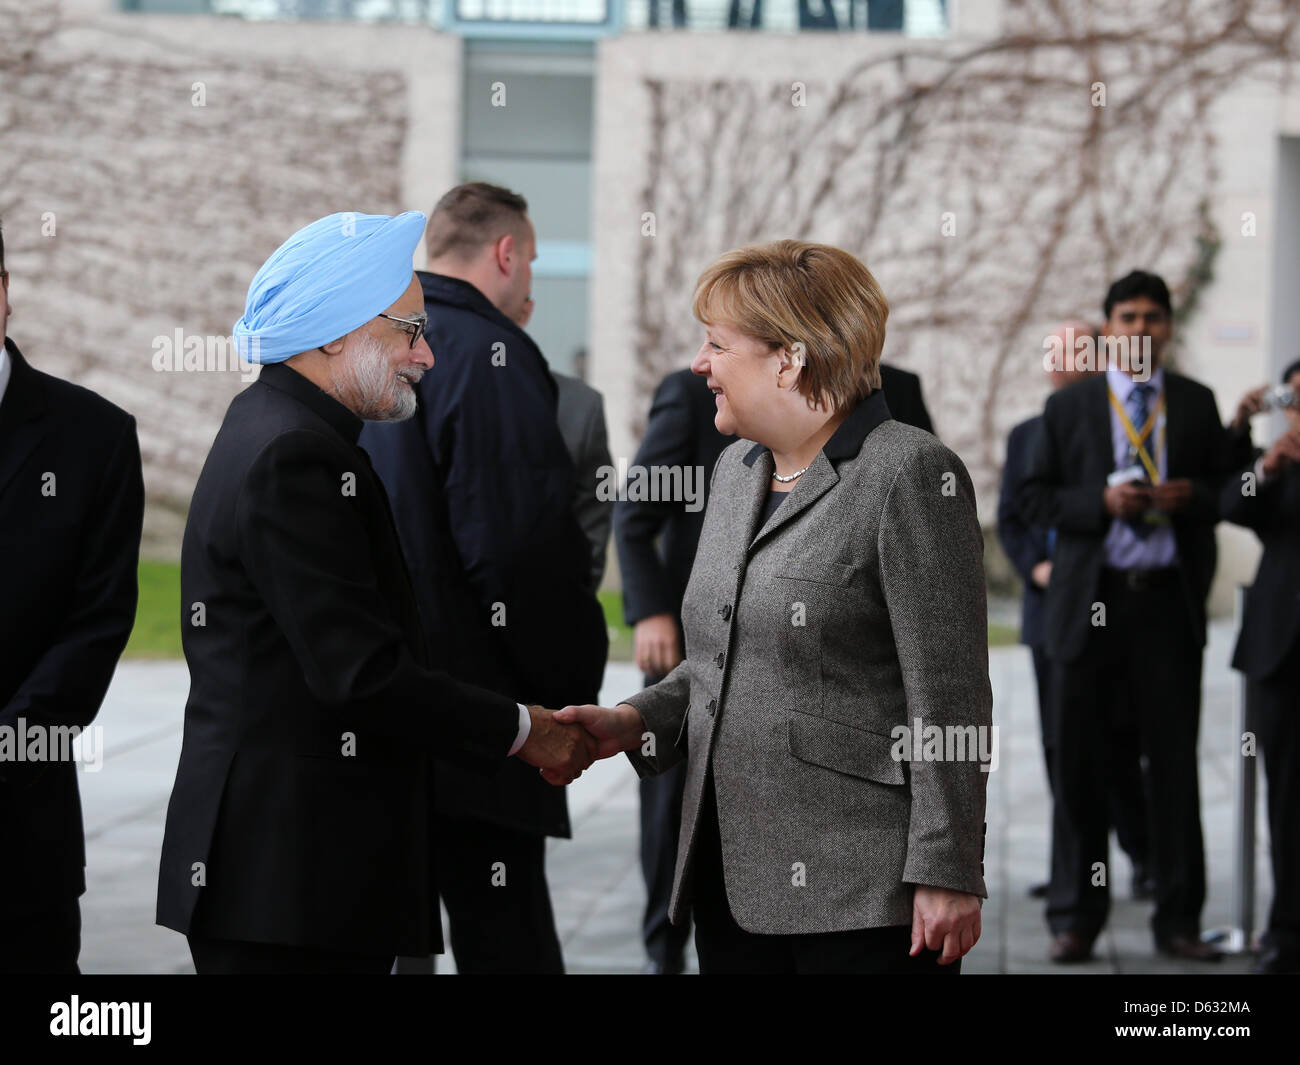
column 774, row 500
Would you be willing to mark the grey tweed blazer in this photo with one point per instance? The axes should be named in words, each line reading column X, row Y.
column 858, row 607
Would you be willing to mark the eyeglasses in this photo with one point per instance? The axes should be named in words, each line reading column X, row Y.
column 412, row 327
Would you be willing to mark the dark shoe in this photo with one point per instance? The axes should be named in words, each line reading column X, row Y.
column 1038, row 891
column 1189, row 949
column 1277, row 962
column 674, row 967
column 1069, row 947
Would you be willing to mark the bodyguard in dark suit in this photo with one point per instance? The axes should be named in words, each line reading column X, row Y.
column 1125, row 612
column 656, row 542
column 1265, row 496
column 1029, row 548
column 71, row 507
column 483, row 493
column 298, row 835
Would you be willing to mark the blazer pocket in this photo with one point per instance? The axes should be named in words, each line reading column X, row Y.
column 837, row 573
column 844, row 749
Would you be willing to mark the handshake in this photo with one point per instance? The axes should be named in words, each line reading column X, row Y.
column 562, row 743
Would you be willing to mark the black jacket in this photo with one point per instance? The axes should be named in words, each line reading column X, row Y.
column 1067, row 480
column 1270, row 627
column 300, row 813
column 69, row 549
column 656, row 539
column 1025, row 544
column 482, row 488
column 902, row 390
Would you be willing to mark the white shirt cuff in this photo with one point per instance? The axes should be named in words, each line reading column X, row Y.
column 525, row 727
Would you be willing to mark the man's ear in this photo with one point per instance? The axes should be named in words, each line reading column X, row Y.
column 334, row 347
column 504, row 251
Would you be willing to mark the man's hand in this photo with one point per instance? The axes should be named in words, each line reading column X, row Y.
column 1285, row 450
column 1171, row 496
column 560, row 751
column 1041, row 573
column 655, row 645
column 610, row 731
column 1127, row 501
column 1251, row 404
column 945, row 920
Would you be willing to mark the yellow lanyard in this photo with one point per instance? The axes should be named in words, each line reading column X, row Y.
column 1136, row 439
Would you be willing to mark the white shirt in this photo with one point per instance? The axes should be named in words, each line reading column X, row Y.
column 525, row 727
column 5, row 369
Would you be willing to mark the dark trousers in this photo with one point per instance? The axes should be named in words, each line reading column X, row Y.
column 661, row 824
column 1275, row 704
column 1124, row 797
column 230, row 957
column 1139, row 673
column 40, row 936
column 724, row 947
column 493, row 882
column 661, row 829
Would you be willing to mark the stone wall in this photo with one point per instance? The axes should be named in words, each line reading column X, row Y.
column 152, row 163
column 994, row 182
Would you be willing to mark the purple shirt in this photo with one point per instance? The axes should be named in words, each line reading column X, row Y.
column 1124, row 548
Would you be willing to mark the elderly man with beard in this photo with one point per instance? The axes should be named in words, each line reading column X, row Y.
column 298, row 835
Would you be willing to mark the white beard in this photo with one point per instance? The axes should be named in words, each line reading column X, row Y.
column 370, row 381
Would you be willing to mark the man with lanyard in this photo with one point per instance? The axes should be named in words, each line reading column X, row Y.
column 1127, row 470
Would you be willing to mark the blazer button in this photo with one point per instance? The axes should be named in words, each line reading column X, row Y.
column 712, row 707
column 720, row 659
column 725, row 611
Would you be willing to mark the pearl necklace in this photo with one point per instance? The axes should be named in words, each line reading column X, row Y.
column 790, row 477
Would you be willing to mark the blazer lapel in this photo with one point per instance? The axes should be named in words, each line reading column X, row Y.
column 21, row 415
column 820, row 479
column 747, row 503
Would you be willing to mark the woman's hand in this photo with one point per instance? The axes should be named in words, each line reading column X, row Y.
column 945, row 920
column 613, row 731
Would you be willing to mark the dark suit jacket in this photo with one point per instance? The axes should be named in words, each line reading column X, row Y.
column 303, row 786
column 656, row 540
column 1025, row 544
column 1067, row 479
column 902, row 390
column 580, row 413
column 483, row 489
column 68, row 573
column 1270, row 627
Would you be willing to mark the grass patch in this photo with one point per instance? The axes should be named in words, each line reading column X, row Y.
column 157, row 632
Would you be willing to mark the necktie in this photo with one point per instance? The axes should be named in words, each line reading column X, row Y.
column 1139, row 408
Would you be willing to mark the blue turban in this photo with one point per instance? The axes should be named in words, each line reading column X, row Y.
column 325, row 281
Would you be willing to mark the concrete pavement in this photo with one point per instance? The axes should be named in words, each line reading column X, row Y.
column 595, row 877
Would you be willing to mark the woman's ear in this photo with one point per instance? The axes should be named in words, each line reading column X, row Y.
column 790, row 361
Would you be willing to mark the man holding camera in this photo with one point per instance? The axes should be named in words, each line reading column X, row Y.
column 1128, row 470
column 1265, row 496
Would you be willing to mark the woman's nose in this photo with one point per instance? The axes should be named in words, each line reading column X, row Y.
column 700, row 364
